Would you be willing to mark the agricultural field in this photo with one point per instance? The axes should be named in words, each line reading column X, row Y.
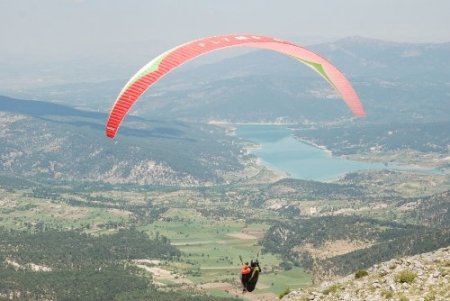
column 213, row 227
column 211, row 252
column 211, row 247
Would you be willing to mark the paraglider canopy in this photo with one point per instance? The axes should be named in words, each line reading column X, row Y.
column 164, row 63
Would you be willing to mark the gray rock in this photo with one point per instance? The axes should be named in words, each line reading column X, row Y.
column 345, row 297
column 432, row 274
column 436, row 274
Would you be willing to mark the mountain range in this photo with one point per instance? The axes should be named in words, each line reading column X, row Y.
column 395, row 81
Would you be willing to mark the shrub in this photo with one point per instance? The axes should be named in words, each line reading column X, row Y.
column 285, row 292
column 331, row 290
column 388, row 294
column 286, row 265
column 403, row 298
column 405, row 276
column 360, row 274
column 430, row 297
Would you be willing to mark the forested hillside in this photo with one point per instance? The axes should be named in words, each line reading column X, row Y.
column 429, row 137
column 49, row 141
column 368, row 240
column 68, row 265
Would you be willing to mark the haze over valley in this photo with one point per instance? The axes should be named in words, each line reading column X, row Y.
column 166, row 209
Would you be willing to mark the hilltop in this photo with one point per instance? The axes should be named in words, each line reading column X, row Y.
column 422, row 277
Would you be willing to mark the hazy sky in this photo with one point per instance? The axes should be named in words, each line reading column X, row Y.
column 65, row 29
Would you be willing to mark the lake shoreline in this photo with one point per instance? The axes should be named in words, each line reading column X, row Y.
column 256, row 145
column 278, row 149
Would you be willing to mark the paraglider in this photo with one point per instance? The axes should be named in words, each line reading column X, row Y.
column 164, row 63
column 253, row 279
column 250, row 274
column 246, row 272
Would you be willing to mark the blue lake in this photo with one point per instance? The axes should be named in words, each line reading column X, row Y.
column 281, row 151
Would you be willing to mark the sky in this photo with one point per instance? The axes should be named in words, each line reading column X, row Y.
column 66, row 29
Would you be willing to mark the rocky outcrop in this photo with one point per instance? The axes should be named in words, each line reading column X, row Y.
column 423, row 277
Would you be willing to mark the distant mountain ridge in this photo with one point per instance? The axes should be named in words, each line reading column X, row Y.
column 395, row 81
column 369, row 57
column 401, row 82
